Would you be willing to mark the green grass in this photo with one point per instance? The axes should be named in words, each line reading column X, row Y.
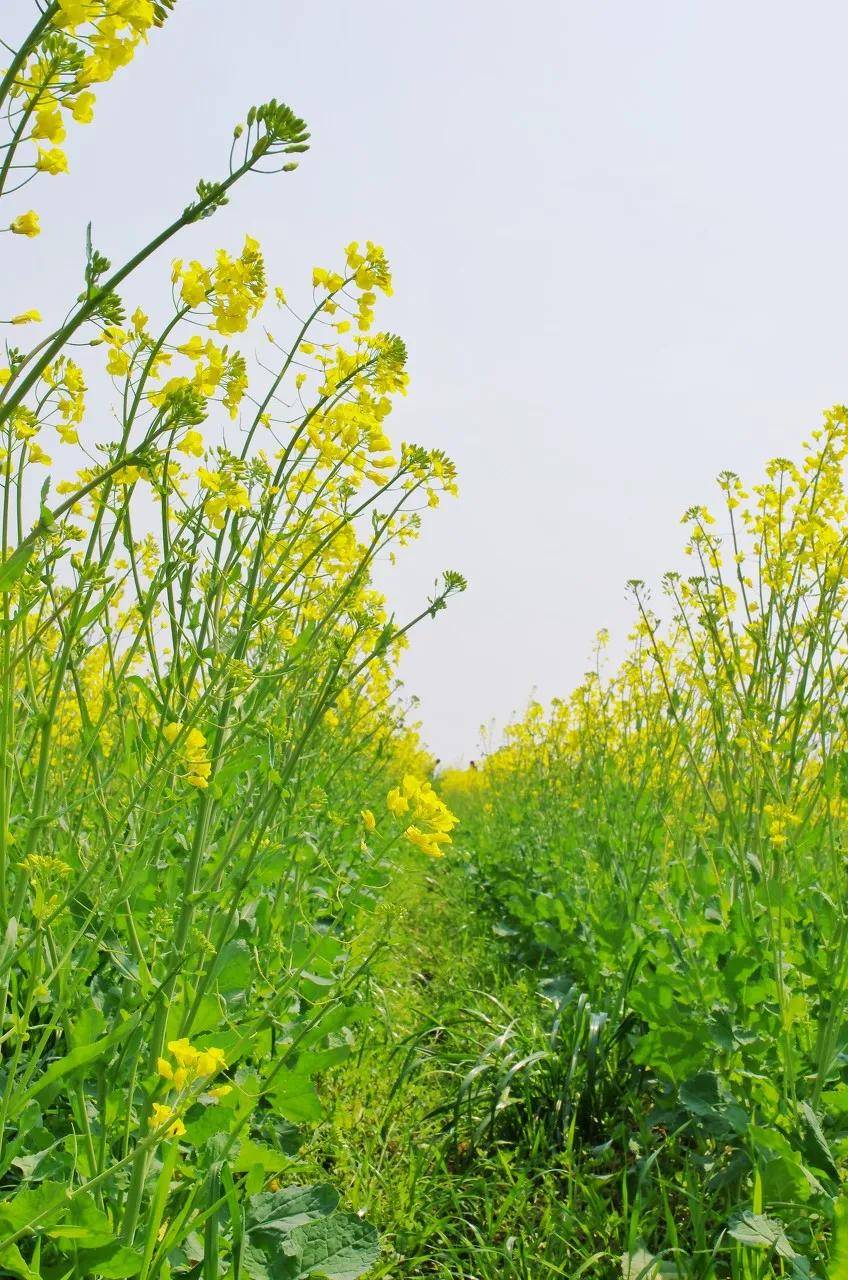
column 439, row 1129
column 401, row 1145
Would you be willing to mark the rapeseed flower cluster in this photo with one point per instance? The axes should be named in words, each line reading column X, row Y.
column 186, row 1069
column 81, row 44
column 234, row 289
column 432, row 821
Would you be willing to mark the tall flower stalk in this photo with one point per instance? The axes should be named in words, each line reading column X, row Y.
column 196, row 705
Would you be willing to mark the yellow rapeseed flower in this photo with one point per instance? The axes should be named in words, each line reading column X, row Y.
column 26, row 224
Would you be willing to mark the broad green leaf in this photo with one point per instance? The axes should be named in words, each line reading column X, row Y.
column 83, row 1223
column 760, row 1232
column 235, row 968
column 816, row 1147
column 14, row 1264
column 252, row 1153
column 88, row 1027
column 782, row 1173
column 83, row 1056
column 281, row 1211
column 296, row 1100
column 641, row 1265
column 705, row 1095
column 33, row 1205
column 676, row 1051
column 209, row 1122
column 255, row 1263
column 341, row 1247
column 111, row 1262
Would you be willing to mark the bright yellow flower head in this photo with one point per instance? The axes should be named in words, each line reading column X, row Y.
column 53, row 161
column 26, row 224
column 164, row 1115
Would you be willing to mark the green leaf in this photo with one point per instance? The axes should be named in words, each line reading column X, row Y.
column 111, row 1262
column 235, row 968
column 14, row 1264
column 759, row 1232
column 91, row 615
column 83, row 1223
column 83, row 1056
column 33, row 1205
column 641, row 1265
column 341, row 1247
column 290, row 1207
column 837, row 1268
column 706, row 1096
column 676, row 1051
column 210, row 1122
column 14, row 567
column 136, row 682
column 88, row 1027
column 296, row 1099
column 255, row 1263
column 784, row 1178
column 252, row 1153
column 815, row 1145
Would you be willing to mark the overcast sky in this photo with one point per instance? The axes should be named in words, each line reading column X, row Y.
column 618, row 237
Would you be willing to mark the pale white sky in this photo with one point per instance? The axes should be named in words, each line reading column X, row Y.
column 618, row 235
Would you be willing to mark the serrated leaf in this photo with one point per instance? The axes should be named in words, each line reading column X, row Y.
column 290, row 1207
column 816, row 1147
column 339, row 1248
column 759, row 1232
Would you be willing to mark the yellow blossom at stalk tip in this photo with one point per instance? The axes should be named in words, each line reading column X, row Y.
column 26, row 224
column 369, row 822
column 26, row 317
column 432, row 820
column 192, row 1064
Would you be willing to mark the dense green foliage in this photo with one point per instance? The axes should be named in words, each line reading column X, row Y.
column 670, row 841
column 204, row 771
